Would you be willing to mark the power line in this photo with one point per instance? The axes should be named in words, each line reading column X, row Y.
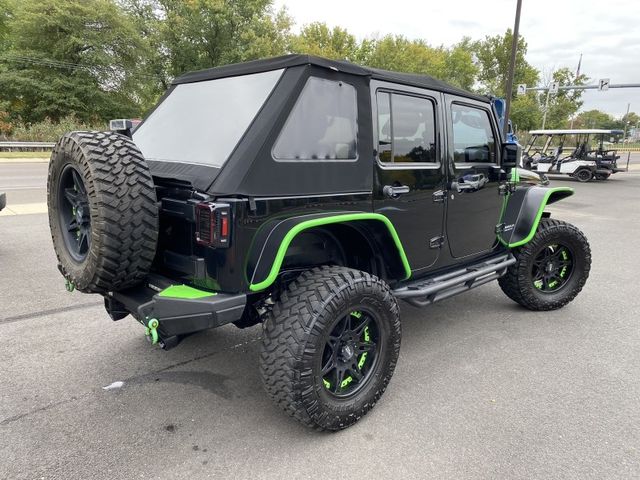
column 50, row 63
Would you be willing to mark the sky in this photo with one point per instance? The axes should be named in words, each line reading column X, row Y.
column 607, row 33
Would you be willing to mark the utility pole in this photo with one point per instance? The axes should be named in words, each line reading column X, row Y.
column 512, row 67
column 546, row 106
column 626, row 122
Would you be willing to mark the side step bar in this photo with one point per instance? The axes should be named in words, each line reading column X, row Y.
column 423, row 292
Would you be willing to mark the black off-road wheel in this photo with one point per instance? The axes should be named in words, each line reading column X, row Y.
column 330, row 346
column 103, row 211
column 583, row 175
column 551, row 269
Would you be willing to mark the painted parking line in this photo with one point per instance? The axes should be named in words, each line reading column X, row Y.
column 24, row 209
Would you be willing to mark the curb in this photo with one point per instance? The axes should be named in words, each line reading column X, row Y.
column 24, row 160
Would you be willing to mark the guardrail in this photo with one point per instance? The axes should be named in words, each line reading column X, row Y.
column 26, row 146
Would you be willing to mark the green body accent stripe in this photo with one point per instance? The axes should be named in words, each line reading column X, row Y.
column 543, row 204
column 349, row 217
column 184, row 291
column 515, row 175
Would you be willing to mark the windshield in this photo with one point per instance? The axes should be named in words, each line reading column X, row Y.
column 202, row 122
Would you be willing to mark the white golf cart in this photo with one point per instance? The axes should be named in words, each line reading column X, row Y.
column 580, row 154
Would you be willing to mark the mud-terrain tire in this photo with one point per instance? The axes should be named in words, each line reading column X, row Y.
column 299, row 338
column 103, row 211
column 556, row 245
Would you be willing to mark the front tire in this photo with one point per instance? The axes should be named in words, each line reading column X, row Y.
column 330, row 346
column 551, row 269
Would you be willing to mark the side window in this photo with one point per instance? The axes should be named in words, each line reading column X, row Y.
column 322, row 124
column 406, row 129
column 473, row 140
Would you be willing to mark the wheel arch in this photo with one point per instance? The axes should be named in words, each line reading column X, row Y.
column 351, row 230
column 523, row 211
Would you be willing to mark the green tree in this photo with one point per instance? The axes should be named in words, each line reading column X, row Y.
column 564, row 104
column 494, row 54
column 526, row 113
column 453, row 65
column 593, row 119
column 68, row 57
column 318, row 39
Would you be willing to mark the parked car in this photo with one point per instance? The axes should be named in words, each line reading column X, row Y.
column 308, row 195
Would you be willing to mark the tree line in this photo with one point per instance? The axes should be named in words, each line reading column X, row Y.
column 86, row 61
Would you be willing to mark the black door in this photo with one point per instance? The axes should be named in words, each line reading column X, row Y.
column 409, row 169
column 473, row 198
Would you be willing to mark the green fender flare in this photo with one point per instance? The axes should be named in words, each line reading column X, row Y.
column 523, row 210
column 328, row 220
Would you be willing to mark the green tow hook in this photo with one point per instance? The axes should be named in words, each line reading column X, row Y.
column 69, row 285
column 151, row 330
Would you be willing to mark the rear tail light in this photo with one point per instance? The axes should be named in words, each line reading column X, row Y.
column 213, row 224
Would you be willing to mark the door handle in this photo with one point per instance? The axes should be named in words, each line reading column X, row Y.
column 394, row 192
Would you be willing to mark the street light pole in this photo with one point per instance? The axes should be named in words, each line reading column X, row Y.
column 626, row 122
column 512, row 67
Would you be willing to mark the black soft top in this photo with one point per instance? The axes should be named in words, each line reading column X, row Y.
column 286, row 61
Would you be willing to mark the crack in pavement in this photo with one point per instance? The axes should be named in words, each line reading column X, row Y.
column 44, row 313
column 133, row 379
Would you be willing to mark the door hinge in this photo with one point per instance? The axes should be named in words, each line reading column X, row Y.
column 439, row 196
column 436, row 242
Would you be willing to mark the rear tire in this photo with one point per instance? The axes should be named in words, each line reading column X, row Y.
column 103, row 211
column 602, row 176
column 583, row 175
column 532, row 281
column 322, row 325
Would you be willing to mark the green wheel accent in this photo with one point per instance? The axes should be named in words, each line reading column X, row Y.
column 69, row 285
column 326, row 383
column 184, row 291
column 348, row 217
column 541, row 208
column 362, row 361
column 538, row 284
column 367, row 336
column 563, row 272
column 356, row 314
column 345, row 383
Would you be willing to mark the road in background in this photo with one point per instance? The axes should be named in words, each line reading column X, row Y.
column 483, row 387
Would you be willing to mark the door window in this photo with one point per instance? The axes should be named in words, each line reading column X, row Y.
column 473, row 140
column 406, row 129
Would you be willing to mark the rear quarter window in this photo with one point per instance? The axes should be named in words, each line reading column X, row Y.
column 322, row 126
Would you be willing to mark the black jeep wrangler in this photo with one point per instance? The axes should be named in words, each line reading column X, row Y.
column 308, row 195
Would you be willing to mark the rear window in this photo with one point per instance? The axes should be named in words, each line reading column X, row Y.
column 322, row 124
column 202, row 122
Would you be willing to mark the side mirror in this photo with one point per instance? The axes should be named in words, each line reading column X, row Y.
column 511, row 155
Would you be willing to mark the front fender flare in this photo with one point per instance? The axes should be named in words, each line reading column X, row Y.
column 523, row 211
column 274, row 241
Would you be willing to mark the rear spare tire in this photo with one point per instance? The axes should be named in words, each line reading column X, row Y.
column 103, row 211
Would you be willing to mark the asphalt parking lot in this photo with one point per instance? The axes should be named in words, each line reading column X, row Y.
column 483, row 388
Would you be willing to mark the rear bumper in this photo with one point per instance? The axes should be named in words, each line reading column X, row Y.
column 176, row 316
